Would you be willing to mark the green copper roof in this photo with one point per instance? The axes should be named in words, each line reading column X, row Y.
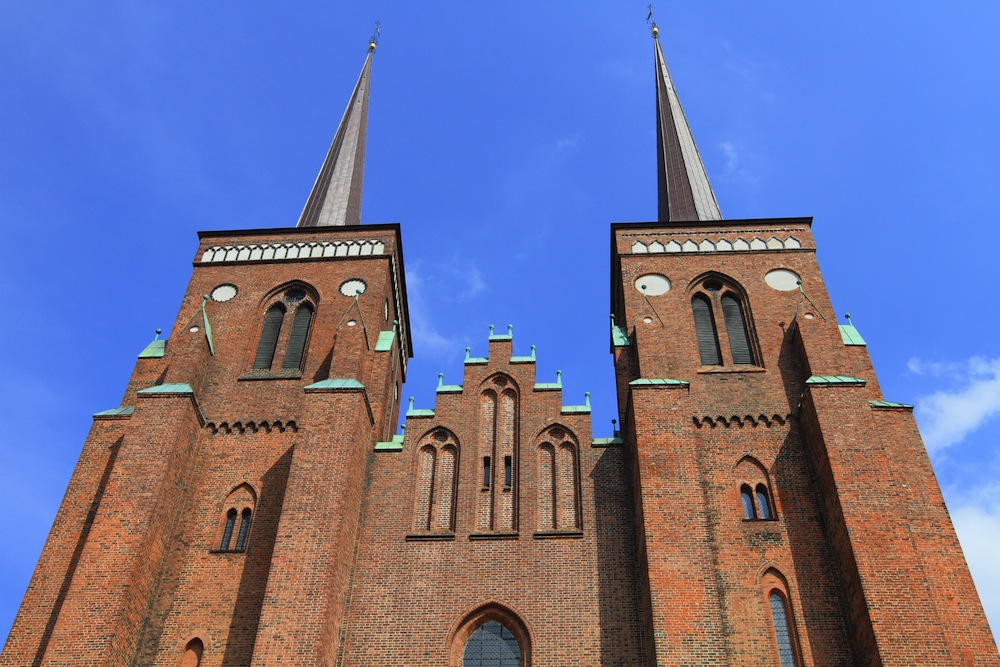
column 336, row 383
column 524, row 360
column 174, row 388
column 835, row 379
column 123, row 411
column 384, row 342
column 419, row 413
column 396, row 445
column 549, row 386
column 647, row 382
column 449, row 389
column 850, row 335
column 507, row 336
column 154, row 350
column 619, row 336
column 890, row 405
column 607, row 442
column 585, row 408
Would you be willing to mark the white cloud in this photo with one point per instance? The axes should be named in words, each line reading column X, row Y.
column 449, row 282
column 731, row 158
column 977, row 522
column 947, row 417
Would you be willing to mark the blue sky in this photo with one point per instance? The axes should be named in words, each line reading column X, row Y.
column 504, row 138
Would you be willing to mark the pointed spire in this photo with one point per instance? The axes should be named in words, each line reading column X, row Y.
column 685, row 193
column 336, row 196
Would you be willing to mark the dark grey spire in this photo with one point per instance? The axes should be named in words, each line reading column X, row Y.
column 336, row 196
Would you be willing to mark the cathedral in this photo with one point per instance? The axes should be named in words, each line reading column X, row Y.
column 252, row 503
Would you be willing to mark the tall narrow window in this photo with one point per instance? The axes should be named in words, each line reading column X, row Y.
column 269, row 337
column 704, row 328
column 487, row 474
column 763, row 504
column 227, row 530
column 508, row 471
column 747, row 498
column 782, row 630
column 736, row 329
column 241, row 538
column 297, row 341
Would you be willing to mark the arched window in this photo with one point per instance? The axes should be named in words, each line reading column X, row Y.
column 299, row 302
column 269, row 337
column 227, row 531
column 192, row 653
column 755, row 490
column 241, row 538
column 736, row 329
column 763, row 504
column 748, row 509
column 704, row 328
column 492, row 645
column 782, row 629
column 714, row 296
column 498, row 450
column 558, row 482
column 297, row 341
column 436, row 482
column 491, row 636
column 238, row 505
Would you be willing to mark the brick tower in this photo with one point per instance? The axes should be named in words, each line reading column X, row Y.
column 786, row 512
column 249, row 503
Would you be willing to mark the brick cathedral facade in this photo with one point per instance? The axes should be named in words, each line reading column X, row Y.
column 250, row 504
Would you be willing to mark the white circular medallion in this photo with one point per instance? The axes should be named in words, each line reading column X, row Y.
column 652, row 284
column 353, row 287
column 224, row 292
column 782, row 280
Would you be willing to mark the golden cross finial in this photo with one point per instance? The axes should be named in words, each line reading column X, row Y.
column 651, row 22
column 373, row 42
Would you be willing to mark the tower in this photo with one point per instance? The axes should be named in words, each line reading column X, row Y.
column 778, row 495
column 250, row 503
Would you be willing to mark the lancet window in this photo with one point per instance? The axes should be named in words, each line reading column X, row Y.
column 287, row 323
column 558, row 481
column 496, row 509
column 239, row 509
column 756, row 500
column 722, row 324
column 437, row 482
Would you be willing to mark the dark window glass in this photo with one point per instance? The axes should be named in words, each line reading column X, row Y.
column 782, row 630
column 762, row 502
column 747, row 498
column 297, row 341
column 736, row 328
column 269, row 338
column 704, row 328
column 492, row 645
column 508, row 471
column 241, row 538
column 486, row 471
column 227, row 532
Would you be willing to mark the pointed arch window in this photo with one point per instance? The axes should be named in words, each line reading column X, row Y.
column 755, row 490
column 558, row 508
column 782, row 629
column 719, row 306
column 297, row 305
column 269, row 337
column 238, row 507
column 436, row 486
column 492, row 645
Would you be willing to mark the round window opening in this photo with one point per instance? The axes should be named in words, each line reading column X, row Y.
column 652, row 284
column 353, row 287
column 783, row 280
column 224, row 292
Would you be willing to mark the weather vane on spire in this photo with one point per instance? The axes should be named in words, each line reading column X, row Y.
column 651, row 22
column 373, row 42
